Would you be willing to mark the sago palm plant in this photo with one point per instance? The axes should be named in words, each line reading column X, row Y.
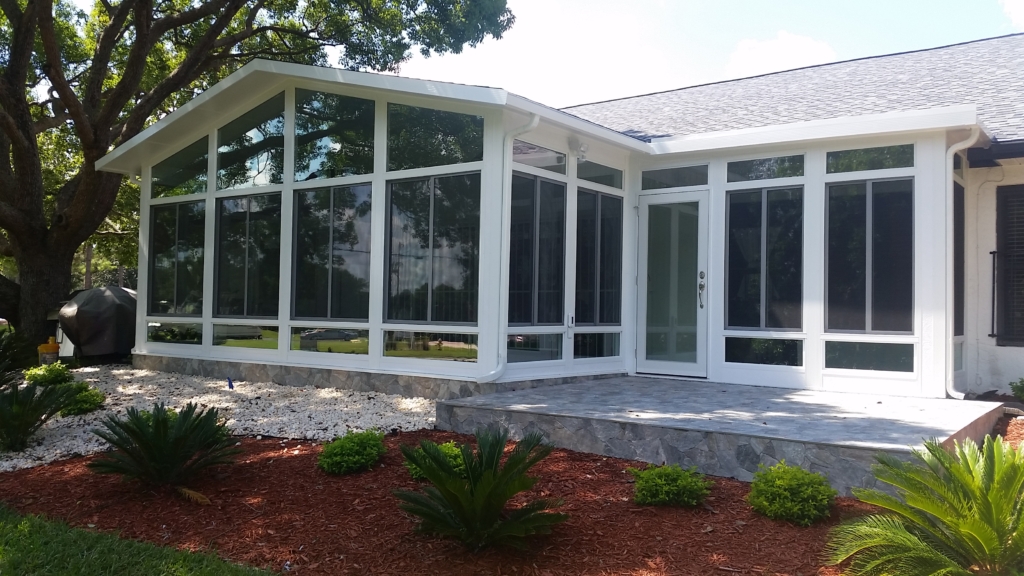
column 24, row 409
column 955, row 513
column 471, row 504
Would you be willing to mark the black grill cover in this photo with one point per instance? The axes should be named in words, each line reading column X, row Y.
column 100, row 321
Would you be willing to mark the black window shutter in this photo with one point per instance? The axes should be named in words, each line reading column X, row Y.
column 1010, row 265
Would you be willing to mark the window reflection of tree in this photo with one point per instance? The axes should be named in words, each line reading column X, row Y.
column 184, row 172
column 421, row 137
column 176, row 285
column 333, row 135
column 251, row 148
column 248, row 250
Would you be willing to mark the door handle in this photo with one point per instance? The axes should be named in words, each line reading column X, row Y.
column 700, row 290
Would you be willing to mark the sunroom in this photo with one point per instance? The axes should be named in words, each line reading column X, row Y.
column 333, row 226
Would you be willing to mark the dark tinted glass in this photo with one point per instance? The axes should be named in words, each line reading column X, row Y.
column 409, row 250
column 766, row 168
column 675, row 177
column 312, row 253
column 191, row 240
column 764, row 351
column 250, row 149
column 333, row 135
column 784, row 267
column 595, row 345
column 599, row 173
column 163, row 259
column 870, row 159
column 184, row 172
column 586, row 257
column 521, row 250
column 959, row 248
column 550, row 253
column 431, row 346
column 847, row 257
column 534, row 347
column 331, row 340
column 538, row 156
column 892, row 256
column 175, row 332
column 456, row 248
column 232, row 244
column 869, row 356
column 745, row 259
column 610, row 262
column 421, row 137
column 249, row 257
column 350, row 260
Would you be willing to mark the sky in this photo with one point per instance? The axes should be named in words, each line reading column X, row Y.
column 566, row 52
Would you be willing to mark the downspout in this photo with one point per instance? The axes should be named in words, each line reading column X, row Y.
column 950, row 152
column 506, row 208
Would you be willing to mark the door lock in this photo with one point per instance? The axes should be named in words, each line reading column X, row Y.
column 700, row 290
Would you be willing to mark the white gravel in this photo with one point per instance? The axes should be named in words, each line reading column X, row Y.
column 252, row 408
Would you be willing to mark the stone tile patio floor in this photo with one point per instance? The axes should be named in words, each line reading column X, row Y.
column 725, row 429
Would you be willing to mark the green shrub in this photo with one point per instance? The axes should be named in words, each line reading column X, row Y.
column 223, row 433
column 353, row 452
column 669, row 486
column 1018, row 389
column 954, row 513
column 163, row 449
column 49, row 374
column 473, row 508
column 791, row 493
column 24, row 409
column 85, row 400
column 451, row 451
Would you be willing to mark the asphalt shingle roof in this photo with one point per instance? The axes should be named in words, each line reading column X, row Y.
column 988, row 73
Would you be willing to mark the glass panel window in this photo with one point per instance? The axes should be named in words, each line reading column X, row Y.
column 958, row 356
column 870, row 159
column 333, row 135
column 672, row 299
column 534, row 347
column 250, row 149
column 870, row 356
column 765, row 258
column 332, row 253
column 422, row 137
column 433, row 249
column 599, row 173
column 248, row 255
column 769, row 351
column 183, row 173
column 537, row 256
column 870, row 285
column 1009, row 266
column 177, row 236
column 598, row 258
column 538, row 157
column 958, row 165
column 175, row 332
column 595, row 345
column 959, row 258
column 244, row 336
column 430, row 346
column 331, row 340
column 766, row 168
column 675, row 177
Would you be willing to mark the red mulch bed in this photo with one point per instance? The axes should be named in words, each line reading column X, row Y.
column 275, row 506
column 1010, row 429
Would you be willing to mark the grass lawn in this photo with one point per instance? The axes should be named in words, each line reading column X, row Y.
column 446, row 352
column 32, row 546
column 357, row 346
column 269, row 341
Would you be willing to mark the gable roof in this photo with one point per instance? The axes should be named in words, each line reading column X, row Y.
column 988, row 73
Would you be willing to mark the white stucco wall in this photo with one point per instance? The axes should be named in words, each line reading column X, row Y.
column 988, row 367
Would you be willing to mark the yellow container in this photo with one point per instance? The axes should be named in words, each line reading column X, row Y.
column 48, row 352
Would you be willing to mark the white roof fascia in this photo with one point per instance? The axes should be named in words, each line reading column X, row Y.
column 577, row 124
column 120, row 159
column 846, row 127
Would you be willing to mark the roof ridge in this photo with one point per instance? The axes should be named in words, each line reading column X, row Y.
column 717, row 82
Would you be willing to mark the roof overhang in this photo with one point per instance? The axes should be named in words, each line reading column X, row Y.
column 886, row 123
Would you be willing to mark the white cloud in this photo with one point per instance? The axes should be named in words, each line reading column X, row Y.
column 1014, row 11
column 784, row 52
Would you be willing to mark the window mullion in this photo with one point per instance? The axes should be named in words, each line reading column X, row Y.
column 868, row 237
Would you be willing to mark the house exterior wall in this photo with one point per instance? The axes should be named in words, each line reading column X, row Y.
column 987, row 366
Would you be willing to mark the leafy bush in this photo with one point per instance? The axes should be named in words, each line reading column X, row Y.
column 954, row 513
column 791, row 493
column 451, row 451
column 223, row 433
column 473, row 508
column 16, row 352
column 1018, row 389
column 85, row 400
column 353, row 452
column 163, row 449
column 49, row 374
column 669, row 486
column 24, row 409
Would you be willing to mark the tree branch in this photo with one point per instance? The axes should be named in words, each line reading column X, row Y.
column 49, row 122
column 55, row 72
column 104, row 48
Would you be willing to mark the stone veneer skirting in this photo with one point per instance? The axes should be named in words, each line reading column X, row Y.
column 715, row 453
column 409, row 386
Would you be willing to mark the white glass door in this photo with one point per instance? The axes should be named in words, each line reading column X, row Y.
column 673, row 284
